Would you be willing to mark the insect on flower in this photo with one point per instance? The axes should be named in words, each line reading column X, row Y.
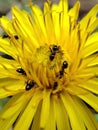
column 30, row 84
column 16, row 37
column 54, row 50
column 21, row 71
column 55, row 85
column 7, row 36
column 61, row 72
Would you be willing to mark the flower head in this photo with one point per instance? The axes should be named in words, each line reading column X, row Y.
column 53, row 68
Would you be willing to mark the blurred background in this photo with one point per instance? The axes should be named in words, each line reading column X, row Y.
column 5, row 6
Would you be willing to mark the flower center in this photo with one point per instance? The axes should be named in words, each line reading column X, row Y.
column 48, row 70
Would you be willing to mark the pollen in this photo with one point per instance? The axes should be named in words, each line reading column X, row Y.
column 47, row 73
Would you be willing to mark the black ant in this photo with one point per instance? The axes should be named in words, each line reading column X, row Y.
column 64, row 66
column 55, row 85
column 21, row 71
column 16, row 37
column 30, row 85
column 54, row 50
column 7, row 36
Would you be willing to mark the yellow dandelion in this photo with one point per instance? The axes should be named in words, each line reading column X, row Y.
column 52, row 73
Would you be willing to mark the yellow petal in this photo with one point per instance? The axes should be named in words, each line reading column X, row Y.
column 89, row 19
column 74, row 118
column 7, row 124
column 57, row 15
column 90, row 49
column 90, row 85
column 7, row 48
column 27, row 116
column 92, row 38
column 89, row 61
column 82, row 110
column 39, row 18
column 8, row 63
column 63, row 4
column 91, row 99
column 93, row 70
column 51, row 125
column 45, row 109
column 10, row 87
column 61, row 116
column 56, row 20
column 7, row 25
column 15, row 104
column 49, row 23
column 79, row 91
column 24, row 20
column 36, row 120
column 73, row 12
column 93, row 26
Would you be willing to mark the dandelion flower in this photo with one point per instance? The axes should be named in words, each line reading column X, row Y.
column 52, row 72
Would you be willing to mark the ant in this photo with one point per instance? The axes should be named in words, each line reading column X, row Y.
column 21, row 71
column 30, row 85
column 7, row 36
column 55, row 85
column 16, row 37
column 54, row 50
column 64, row 66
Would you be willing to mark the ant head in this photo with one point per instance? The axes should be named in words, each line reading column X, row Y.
column 55, row 47
column 65, row 64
